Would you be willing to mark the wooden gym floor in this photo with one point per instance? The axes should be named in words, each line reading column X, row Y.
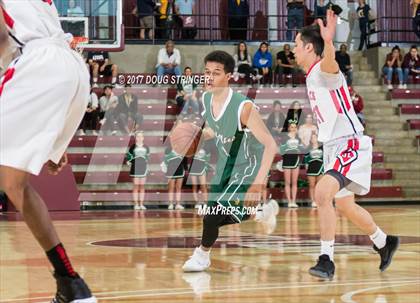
column 137, row 257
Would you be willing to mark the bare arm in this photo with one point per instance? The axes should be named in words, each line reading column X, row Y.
column 251, row 118
column 4, row 34
column 328, row 63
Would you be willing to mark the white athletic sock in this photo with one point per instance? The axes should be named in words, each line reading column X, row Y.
column 114, row 80
column 327, row 248
column 202, row 252
column 378, row 238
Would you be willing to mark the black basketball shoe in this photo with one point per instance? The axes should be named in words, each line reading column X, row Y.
column 388, row 251
column 324, row 268
column 72, row 289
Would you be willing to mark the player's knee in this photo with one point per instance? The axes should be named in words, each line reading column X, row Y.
column 14, row 189
column 323, row 196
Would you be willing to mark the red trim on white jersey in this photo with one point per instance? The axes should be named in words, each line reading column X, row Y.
column 50, row 2
column 9, row 21
column 344, row 95
column 310, row 69
column 8, row 75
column 335, row 101
column 349, row 155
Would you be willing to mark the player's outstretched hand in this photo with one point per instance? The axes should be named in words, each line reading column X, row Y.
column 54, row 169
column 253, row 195
column 328, row 31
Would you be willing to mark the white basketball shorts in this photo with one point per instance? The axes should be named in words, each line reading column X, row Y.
column 43, row 97
column 352, row 157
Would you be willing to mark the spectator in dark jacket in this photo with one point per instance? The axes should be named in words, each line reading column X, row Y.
column 238, row 12
column 416, row 16
column 286, row 65
column 295, row 14
column 127, row 109
column 411, row 64
column 320, row 10
column 275, row 121
column 343, row 60
column 363, row 15
column 145, row 11
column 263, row 61
column 293, row 115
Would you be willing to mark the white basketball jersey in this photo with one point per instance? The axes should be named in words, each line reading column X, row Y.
column 32, row 19
column 331, row 104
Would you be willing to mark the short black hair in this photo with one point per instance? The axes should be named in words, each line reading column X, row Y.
column 221, row 57
column 187, row 67
column 312, row 34
column 108, row 86
column 413, row 47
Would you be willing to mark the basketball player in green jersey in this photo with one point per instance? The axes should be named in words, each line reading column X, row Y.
column 246, row 151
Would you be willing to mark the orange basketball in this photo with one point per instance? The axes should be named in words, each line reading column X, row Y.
column 185, row 138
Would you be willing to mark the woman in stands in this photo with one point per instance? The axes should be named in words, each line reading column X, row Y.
column 198, row 172
column 293, row 115
column 363, row 15
column 315, row 165
column 275, row 121
column 263, row 61
column 392, row 65
column 291, row 151
column 138, row 156
column 243, row 64
column 307, row 130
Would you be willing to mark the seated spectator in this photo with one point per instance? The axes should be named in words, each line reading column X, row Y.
column 128, row 113
column 107, row 98
column 275, row 121
column 145, row 12
column 358, row 105
column 74, row 10
column 286, row 65
column 263, row 61
column 343, row 60
column 320, row 10
column 295, row 13
column 185, row 9
column 293, row 115
column 306, row 131
column 90, row 118
column 411, row 64
column 100, row 65
column 392, row 65
column 169, row 60
column 243, row 64
column 187, row 94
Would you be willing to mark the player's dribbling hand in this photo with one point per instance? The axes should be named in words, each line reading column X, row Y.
column 253, row 195
column 328, row 31
column 54, row 169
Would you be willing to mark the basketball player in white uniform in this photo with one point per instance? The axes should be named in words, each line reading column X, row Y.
column 43, row 96
column 347, row 152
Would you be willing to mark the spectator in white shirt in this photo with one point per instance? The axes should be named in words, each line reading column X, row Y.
column 169, row 60
column 105, row 101
column 306, row 131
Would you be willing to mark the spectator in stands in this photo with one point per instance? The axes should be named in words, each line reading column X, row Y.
column 145, row 11
column 286, row 65
column 128, row 113
column 107, row 101
column 343, row 60
column 416, row 16
column 90, row 118
column 315, row 165
column 238, row 12
column 275, row 121
column 363, row 15
column 243, row 64
column 411, row 64
column 137, row 158
column 74, row 10
column 165, row 19
column 263, row 61
column 392, row 65
column 293, row 114
column 111, row 121
column 358, row 104
column 306, row 130
column 320, row 9
column 187, row 94
column 169, row 60
column 100, row 66
column 174, row 168
column 291, row 151
column 295, row 10
column 185, row 9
